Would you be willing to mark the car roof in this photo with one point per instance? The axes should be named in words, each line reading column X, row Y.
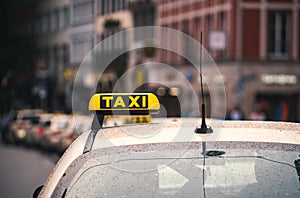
column 168, row 130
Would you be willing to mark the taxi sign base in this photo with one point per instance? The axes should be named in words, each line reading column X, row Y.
column 97, row 124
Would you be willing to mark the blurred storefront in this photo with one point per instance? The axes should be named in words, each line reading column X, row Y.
column 269, row 86
column 255, row 44
column 52, row 35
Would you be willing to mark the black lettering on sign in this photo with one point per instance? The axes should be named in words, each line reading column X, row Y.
column 123, row 101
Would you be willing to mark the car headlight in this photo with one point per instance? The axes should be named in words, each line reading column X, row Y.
column 21, row 133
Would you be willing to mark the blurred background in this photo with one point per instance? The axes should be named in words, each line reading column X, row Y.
column 255, row 44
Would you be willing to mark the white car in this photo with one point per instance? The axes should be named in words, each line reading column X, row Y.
column 174, row 157
column 35, row 135
column 167, row 159
column 61, row 126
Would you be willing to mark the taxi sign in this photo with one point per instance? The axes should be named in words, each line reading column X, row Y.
column 121, row 103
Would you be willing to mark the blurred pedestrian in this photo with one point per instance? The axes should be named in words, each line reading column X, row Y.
column 43, row 86
column 258, row 114
column 235, row 114
column 282, row 111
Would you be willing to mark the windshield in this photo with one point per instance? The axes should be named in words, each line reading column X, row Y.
column 237, row 170
column 33, row 119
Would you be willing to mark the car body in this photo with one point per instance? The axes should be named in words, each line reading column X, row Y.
column 63, row 130
column 61, row 126
column 166, row 159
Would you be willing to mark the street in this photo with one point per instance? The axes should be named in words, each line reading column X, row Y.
column 23, row 169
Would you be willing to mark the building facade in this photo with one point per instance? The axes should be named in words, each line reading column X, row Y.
column 255, row 44
column 113, row 16
column 82, row 29
column 17, row 54
column 52, row 38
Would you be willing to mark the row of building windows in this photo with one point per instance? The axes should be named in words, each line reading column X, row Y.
column 193, row 27
column 277, row 34
column 111, row 6
column 278, row 28
column 83, row 13
column 54, row 20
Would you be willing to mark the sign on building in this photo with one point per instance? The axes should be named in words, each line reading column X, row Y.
column 217, row 40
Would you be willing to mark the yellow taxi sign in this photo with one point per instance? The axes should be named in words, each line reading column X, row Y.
column 120, row 103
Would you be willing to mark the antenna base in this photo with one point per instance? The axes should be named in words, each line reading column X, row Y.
column 203, row 130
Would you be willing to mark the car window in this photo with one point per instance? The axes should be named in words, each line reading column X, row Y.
column 244, row 170
column 32, row 119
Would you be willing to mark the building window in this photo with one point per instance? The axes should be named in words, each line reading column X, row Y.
column 78, row 51
column 163, row 41
column 46, row 23
column 55, row 22
column 111, row 6
column 186, row 47
column 81, row 48
column 197, row 28
column 38, row 25
column 124, row 4
column 174, row 44
column 102, row 6
column 118, row 5
column 209, row 24
column 82, row 13
column 223, row 20
column 66, row 14
column 66, row 54
column 278, row 34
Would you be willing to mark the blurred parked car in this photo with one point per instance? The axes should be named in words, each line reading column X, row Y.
column 60, row 126
column 26, row 119
column 36, row 133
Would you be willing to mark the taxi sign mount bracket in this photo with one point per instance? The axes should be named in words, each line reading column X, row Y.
column 97, row 124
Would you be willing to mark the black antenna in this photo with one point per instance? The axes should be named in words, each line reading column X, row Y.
column 203, row 129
